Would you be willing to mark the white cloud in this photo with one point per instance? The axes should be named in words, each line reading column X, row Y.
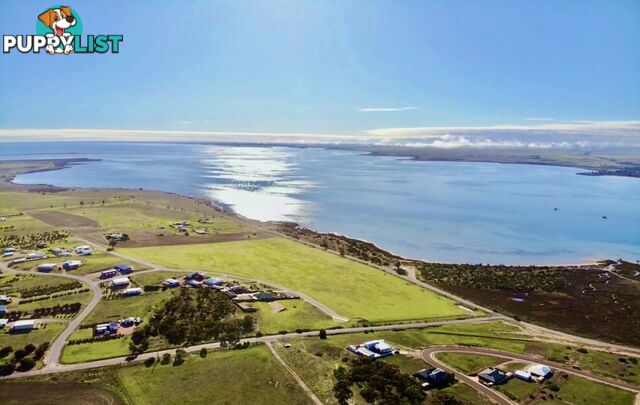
column 457, row 141
column 386, row 109
column 631, row 128
column 539, row 119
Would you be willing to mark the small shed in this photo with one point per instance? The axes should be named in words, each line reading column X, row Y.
column 108, row 273
column 212, row 281
column 523, row 375
column 130, row 292
column 72, row 264
column 123, row 268
column 171, row 282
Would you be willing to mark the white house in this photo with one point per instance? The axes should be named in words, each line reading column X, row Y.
column 84, row 250
column 119, row 282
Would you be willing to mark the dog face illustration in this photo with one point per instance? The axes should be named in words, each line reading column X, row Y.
column 58, row 19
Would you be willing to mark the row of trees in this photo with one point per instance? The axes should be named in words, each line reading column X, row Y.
column 21, row 360
column 33, row 240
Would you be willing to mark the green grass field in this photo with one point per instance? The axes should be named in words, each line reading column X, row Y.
column 298, row 314
column 469, row 363
column 349, row 288
column 44, row 333
column 225, row 377
column 466, row 394
column 95, row 351
column 114, row 309
column 579, row 390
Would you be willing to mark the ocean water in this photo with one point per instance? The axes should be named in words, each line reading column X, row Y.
column 439, row 211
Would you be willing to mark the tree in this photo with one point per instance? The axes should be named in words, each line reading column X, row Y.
column 27, row 364
column 150, row 361
column 4, row 352
column 19, row 354
column 203, row 352
column 166, row 358
column 323, row 334
column 442, row 398
column 29, row 348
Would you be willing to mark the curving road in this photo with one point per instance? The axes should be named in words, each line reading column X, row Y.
column 430, row 356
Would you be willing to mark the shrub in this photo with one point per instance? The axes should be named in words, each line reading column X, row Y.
column 7, row 369
column 583, row 350
column 323, row 334
column 19, row 354
column 552, row 385
column 166, row 358
column 29, row 348
column 4, row 352
column 150, row 361
column 203, row 352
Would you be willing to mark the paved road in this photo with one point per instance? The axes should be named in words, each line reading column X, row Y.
column 59, row 368
column 429, row 355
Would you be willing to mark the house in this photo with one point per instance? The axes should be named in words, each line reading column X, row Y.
column 492, row 376
column 3, row 322
column 119, row 282
column 84, row 250
column 198, row 276
column 433, row 378
column 130, row 292
column 540, row 371
column 46, row 267
column 59, row 252
column 3, row 309
column 523, row 375
column 72, row 264
column 373, row 349
column 23, row 326
column 9, row 249
column 123, row 268
column 213, row 282
column 5, row 299
column 171, row 283
column 130, row 321
column 108, row 273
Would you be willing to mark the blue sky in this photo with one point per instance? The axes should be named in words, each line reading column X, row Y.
column 330, row 67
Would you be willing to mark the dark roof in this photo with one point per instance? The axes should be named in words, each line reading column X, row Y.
column 492, row 375
column 122, row 267
column 433, row 375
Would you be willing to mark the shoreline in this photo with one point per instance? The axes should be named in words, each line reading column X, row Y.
column 59, row 164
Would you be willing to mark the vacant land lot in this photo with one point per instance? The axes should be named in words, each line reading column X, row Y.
column 81, row 353
column 118, row 308
column 349, row 288
column 296, row 314
column 469, row 363
column 222, row 377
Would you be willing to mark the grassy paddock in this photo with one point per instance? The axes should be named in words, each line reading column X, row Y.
column 298, row 314
column 349, row 288
column 223, row 377
column 469, row 363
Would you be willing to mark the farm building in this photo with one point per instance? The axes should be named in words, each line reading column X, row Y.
column 130, row 292
column 171, row 283
column 265, row 296
column 373, row 349
column 523, row 375
column 23, row 326
column 198, row 276
column 492, row 376
column 123, row 268
column 433, row 378
column 3, row 322
column 540, row 371
column 72, row 264
column 46, row 267
column 108, row 273
column 213, row 282
column 84, row 250
column 119, row 282
column 3, row 309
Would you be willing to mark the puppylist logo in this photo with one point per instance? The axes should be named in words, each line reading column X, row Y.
column 59, row 32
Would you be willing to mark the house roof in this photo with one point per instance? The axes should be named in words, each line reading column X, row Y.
column 120, row 280
column 24, row 323
column 492, row 374
column 540, row 370
column 122, row 266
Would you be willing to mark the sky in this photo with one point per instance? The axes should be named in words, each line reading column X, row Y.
column 366, row 68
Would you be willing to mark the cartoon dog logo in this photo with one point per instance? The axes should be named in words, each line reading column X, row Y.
column 58, row 19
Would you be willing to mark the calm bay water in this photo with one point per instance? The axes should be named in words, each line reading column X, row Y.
column 440, row 211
